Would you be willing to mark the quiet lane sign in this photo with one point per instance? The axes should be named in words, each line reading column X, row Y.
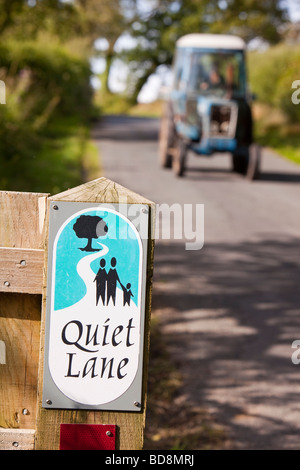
column 95, row 309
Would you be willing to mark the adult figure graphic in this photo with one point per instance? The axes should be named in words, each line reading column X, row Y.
column 112, row 279
column 101, row 281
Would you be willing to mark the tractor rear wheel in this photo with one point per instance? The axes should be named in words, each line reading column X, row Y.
column 179, row 156
column 166, row 138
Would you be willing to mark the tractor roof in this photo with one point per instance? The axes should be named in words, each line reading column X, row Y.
column 211, row 41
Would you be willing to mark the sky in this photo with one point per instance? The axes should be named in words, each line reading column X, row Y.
column 294, row 9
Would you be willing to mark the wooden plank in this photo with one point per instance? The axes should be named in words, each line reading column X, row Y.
column 102, row 190
column 20, row 341
column 22, row 218
column 130, row 424
column 21, row 270
column 17, row 439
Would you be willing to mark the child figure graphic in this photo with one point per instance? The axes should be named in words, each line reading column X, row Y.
column 127, row 294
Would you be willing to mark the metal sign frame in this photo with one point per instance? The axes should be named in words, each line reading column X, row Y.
column 60, row 212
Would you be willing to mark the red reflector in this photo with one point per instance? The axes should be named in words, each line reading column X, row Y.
column 87, row 436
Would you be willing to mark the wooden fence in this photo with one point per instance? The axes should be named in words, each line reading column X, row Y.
column 24, row 221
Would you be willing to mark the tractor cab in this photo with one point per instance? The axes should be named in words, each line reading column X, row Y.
column 208, row 106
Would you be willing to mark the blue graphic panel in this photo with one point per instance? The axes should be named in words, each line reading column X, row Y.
column 112, row 238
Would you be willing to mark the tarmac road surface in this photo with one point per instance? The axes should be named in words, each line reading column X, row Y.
column 230, row 311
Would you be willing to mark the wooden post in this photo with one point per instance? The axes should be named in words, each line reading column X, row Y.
column 130, row 424
column 21, row 272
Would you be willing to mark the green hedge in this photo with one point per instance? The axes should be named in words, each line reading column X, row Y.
column 48, row 97
column 271, row 74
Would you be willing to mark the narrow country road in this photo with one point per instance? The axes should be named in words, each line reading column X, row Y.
column 231, row 309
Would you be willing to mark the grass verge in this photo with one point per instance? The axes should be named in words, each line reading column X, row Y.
column 274, row 130
column 63, row 158
column 285, row 140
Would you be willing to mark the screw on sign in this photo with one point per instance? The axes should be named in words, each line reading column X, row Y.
column 97, row 267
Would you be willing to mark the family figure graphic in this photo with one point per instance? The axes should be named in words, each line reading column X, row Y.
column 106, row 284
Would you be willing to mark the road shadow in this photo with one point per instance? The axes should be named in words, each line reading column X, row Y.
column 215, row 172
column 280, row 177
column 229, row 314
column 126, row 128
column 146, row 129
column 226, row 174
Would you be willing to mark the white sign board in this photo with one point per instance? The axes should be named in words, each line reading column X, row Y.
column 95, row 307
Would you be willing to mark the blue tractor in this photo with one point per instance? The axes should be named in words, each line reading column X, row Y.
column 208, row 108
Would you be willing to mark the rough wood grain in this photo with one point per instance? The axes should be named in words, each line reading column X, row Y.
column 17, row 439
column 130, row 425
column 22, row 218
column 21, row 270
column 20, row 334
column 99, row 191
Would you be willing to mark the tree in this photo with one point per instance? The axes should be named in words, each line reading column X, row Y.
column 23, row 19
column 251, row 19
column 157, row 29
column 10, row 10
column 90, row 226
column 98, row 20
column 86, row 20
column 74, row 24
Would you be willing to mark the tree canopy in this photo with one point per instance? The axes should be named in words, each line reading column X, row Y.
column 157, row 29
column 155, row 25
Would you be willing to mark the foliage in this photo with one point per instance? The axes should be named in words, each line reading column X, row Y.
column 44, row 61
column 24, row 19
column 157, row 30
column 272, row 73
column 88, row 19
column 250, row 19
column 112, row 103
column 79, row 22
column 42, row 84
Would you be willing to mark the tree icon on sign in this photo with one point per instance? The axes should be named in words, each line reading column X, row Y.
column 90, row 226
